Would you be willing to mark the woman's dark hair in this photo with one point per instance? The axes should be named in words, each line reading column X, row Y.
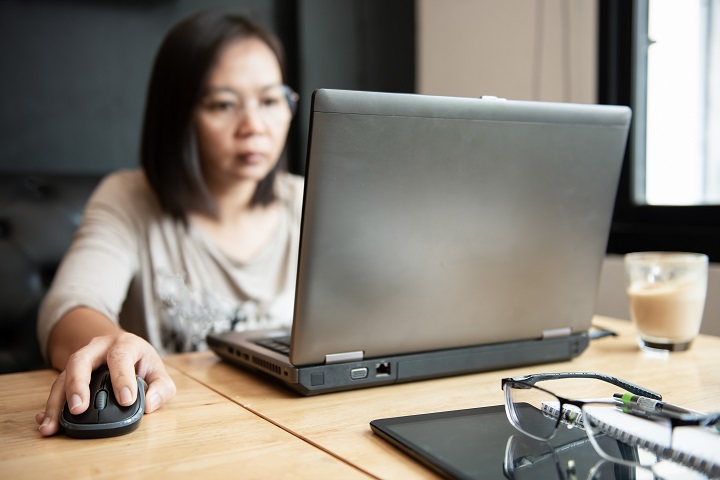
column 168, row 150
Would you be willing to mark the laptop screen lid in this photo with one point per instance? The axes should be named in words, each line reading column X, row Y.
column 441, row 222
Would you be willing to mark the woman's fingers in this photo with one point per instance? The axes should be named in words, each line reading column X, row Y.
column 49, row 419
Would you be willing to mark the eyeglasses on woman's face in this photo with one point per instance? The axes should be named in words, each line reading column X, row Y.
column 275, row 104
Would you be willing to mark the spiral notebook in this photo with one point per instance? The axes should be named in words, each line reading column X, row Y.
column 695, row 447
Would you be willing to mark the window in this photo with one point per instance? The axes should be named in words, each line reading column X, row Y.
column 676, row 63
column 661, row 57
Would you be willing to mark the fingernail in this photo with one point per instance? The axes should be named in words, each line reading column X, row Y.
column 45, row 423
column 75, row 401
column 125, row 396
column 153, row 402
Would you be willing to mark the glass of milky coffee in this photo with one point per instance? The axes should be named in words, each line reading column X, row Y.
column 666, row 291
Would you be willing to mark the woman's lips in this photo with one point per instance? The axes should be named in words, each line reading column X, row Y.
column 252, row 158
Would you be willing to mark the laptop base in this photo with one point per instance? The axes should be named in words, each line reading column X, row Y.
column 327, row 378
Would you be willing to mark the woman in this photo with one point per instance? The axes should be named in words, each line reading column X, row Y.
column 203, row 238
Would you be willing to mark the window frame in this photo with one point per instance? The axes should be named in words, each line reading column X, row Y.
column 638, row 227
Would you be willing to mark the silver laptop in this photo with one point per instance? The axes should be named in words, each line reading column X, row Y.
column 442, row 236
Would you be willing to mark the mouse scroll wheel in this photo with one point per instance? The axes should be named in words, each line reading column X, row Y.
column 101, row 398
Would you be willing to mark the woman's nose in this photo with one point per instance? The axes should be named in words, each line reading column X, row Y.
column 251, row 121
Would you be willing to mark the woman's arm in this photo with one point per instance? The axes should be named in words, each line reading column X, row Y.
column 78, row 319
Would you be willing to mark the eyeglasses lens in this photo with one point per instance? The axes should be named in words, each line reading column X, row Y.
column 605, row 470
column 607, row 427
column 528, row 458
column 532, row 410
column 572, row 457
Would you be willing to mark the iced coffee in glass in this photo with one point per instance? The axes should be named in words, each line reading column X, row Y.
column 666, row 292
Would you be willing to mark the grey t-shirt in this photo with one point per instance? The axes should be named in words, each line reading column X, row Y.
column 166, row 282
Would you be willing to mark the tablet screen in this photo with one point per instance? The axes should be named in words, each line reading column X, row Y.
column 481, row 443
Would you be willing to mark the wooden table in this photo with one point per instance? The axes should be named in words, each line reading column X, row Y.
column 199, row 434
column 339, row 422
column 227, row 422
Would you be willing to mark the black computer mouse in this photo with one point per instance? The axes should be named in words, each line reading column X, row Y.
column 105, row 417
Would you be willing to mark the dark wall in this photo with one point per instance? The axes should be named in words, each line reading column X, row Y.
column 74, row 73
column 354, row 44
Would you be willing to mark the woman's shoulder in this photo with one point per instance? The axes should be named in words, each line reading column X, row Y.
column 128, row 180
column 128, row 191
column 124, row 185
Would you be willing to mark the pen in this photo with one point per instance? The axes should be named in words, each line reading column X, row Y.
column 647, row 406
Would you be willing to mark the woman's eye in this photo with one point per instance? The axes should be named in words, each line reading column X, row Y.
column 220, row 106
column 270, row 101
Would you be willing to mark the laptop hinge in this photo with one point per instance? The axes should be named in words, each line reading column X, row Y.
column 344, row 357
column 557, row 332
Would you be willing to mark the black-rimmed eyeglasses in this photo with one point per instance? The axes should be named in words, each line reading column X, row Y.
column 538, row 413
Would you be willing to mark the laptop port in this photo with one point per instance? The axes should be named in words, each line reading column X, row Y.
column 382, row 369
column 358, row 373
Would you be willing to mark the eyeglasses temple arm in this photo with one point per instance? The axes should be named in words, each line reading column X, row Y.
column 629, row 386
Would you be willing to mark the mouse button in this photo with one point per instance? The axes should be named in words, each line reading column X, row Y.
column 88, row 417
column 115, row 413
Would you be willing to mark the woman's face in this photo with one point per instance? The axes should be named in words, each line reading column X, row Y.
column 243, row 118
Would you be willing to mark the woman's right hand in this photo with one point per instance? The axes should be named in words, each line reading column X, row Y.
column 125, row 355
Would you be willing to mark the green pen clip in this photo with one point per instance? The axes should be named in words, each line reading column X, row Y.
column 626, row 402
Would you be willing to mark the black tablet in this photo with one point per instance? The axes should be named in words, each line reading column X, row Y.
column 481, row 443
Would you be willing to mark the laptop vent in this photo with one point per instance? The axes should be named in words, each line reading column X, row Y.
column 266, row 365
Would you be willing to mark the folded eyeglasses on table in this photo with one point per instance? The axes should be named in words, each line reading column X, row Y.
column 629, row 428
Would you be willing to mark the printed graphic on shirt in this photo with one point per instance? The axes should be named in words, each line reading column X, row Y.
column 188, row 314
